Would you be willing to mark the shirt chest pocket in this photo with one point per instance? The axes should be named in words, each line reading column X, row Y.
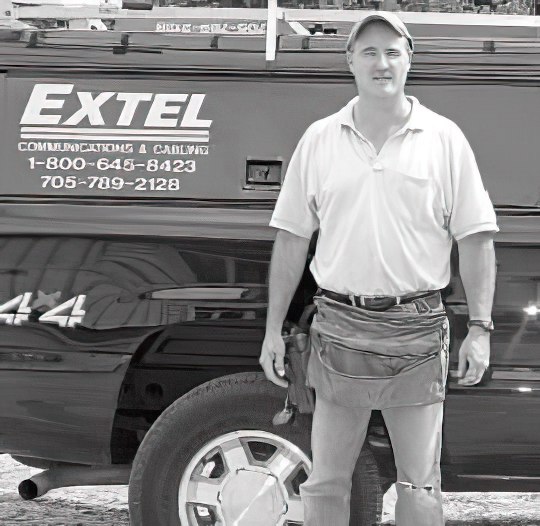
column 413, row 196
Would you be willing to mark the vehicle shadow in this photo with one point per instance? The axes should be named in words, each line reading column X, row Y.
column 508, row 522
column 481, row 522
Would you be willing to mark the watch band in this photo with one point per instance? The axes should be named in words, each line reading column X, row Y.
column 488, row 326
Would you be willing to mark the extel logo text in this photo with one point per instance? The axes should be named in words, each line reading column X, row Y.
column 163, row 110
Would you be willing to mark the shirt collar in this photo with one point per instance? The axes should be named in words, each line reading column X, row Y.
column 417, row 120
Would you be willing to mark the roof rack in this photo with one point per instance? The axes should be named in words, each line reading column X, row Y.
column 282, row 28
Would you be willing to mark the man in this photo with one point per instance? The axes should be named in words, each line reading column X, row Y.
column 389, row 184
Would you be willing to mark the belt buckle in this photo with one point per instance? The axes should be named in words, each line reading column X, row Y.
column 353, row 299
column 362, row 299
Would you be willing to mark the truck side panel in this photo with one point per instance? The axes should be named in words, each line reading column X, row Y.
column 77, row 310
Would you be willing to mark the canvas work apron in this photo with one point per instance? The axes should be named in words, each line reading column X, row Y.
column 377, row 360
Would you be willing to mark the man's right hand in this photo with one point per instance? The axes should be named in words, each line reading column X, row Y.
column 272, row 359
column 288, row 261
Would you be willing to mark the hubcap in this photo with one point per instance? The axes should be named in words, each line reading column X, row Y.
column 244, row 478
column 246, row 494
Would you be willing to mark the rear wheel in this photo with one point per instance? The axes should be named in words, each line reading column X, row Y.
column 213, row 458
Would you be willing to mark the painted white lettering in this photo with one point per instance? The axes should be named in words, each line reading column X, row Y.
column 190, row 119
column 131, row 102
column 160, row 108
column 179, row 149
column 39, row 101
column 89, row 108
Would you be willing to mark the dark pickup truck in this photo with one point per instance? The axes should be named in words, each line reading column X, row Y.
column 139, row 172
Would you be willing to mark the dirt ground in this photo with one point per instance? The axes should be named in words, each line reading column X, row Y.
column 107, row 505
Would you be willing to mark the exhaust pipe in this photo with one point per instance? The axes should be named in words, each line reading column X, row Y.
column 64, row 476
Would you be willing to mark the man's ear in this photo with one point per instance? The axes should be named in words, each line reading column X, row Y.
column 349, row 60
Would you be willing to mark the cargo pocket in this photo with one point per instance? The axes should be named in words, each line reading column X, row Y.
column 346, row 361
column 358, row 378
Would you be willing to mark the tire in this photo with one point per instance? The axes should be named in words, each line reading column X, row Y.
column 208, row 438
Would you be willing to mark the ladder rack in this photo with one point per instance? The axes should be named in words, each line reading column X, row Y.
column 433, row 32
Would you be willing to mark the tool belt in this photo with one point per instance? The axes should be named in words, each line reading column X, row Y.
column 374, row 359
column 361, row 357
column 429, row 299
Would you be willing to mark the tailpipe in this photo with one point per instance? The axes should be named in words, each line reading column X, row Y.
column 65, row 476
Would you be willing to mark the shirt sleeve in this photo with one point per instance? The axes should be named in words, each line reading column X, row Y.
column 296, row 209
column 472, row 210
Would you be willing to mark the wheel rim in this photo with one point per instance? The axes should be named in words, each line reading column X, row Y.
column 244, row 478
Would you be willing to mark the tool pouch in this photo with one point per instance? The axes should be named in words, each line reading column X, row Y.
column 297, row 352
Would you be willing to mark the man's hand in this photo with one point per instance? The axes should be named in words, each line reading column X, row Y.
column 477, row 271
column 272, row 358
column 286, row 268
column 473, row 357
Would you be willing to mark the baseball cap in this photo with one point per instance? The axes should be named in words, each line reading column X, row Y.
column 385, row 16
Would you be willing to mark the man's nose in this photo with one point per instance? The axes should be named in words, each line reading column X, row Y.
column 382, row 61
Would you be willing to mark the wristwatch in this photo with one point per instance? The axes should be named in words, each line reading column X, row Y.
column 486, row 325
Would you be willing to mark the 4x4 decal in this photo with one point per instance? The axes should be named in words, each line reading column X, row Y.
column 67, row 314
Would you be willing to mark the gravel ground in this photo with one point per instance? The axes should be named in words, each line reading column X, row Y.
column 107, row 505
column 81, row 506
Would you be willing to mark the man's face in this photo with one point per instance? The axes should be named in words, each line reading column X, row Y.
column 379, row 61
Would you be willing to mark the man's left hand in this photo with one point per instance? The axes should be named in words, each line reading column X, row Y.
column 473, row 357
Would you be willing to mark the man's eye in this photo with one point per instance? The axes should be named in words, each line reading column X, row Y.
column 369, row 53
column 393, row 53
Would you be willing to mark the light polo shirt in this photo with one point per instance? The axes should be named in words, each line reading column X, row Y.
column 386, row 220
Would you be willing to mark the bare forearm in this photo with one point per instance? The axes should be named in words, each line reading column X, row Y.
column 286, row 268
column 477, row 270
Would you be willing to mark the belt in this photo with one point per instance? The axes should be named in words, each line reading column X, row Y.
column 381, row 302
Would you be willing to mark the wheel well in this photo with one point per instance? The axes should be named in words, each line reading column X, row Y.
column 149, row 387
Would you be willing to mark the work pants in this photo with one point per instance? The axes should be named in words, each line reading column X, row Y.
column 338, row 434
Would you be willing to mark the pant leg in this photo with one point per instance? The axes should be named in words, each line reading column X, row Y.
column 336, row 440
column 416, row 434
